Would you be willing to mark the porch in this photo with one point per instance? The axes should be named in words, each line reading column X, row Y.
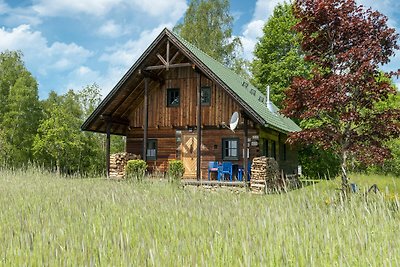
column 213, row 183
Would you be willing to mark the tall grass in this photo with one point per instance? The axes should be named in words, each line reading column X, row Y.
column 46, row 220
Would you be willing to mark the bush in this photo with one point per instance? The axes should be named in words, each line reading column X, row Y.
column 391, row 165
column 176, row 170
column 135, row 169
column 318, row 164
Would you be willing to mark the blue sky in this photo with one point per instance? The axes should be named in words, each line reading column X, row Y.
column 68, row 44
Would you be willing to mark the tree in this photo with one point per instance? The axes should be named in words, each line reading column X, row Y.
column 338, row 104
column 59, row 140
column 11, row 66
column 20, row 110
column 208, row 25
column 60, row 144
column 277, row 55
column 277, row 59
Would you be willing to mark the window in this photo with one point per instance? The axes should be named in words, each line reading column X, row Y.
column 230, row 148
column 284, row 151
column 151, row 149
column 273, row 149
column 173, row 97
column 265, row 148
column 205, row 96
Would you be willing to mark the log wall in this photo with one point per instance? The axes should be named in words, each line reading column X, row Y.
column 220, row 109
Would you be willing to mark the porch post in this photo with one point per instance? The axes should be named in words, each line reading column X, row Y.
column 245, row 145
column 198, row 169
column 145, row 117
column 108, row 129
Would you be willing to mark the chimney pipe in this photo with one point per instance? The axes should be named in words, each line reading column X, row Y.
column 269, row 103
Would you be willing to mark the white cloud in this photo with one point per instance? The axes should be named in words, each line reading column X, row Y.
column 64, row 7
column 39, row 56
column 251, row 33
column 264, row 9
column 253, row 30
column 162, row 8
column 124, row 55
column 111, row 29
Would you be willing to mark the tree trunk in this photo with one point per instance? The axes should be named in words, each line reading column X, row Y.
column 345, row 180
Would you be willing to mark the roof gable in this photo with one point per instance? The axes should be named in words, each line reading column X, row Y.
column 249, row 97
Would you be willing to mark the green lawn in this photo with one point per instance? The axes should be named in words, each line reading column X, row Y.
column 46, row 220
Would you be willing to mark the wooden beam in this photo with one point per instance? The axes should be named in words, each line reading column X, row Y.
column 110, row 119
column 162, row 60
column 245, row 146
column 108, row 145
column 198, row 169
column 177, row 65
column 145, row 117
column 174, row 57
column 168, row 54
column 152, row 76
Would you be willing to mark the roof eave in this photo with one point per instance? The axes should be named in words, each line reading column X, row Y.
column 85, row 126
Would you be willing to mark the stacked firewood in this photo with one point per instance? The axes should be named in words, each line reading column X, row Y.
column 118, row 163
column 264, row 175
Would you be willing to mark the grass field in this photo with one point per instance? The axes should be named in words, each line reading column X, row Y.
column 46, row 220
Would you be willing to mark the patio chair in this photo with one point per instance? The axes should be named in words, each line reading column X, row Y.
column 225, row 168
column 241, row 172
column 212, row 167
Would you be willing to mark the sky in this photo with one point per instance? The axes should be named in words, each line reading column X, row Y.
column 68, row 44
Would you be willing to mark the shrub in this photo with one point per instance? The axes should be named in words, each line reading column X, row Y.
column 135, row 169
column 318, row 164
column 176, row 170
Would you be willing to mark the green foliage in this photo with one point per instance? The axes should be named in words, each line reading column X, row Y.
column 42, row 223
column 176, row 170
column 341, row 97
column 20, row 110
column 117, row 144
column 11, row 67
column 277, row 55
column 135, row 169
column 318, row 164
column 59, row 144
column 208, row 25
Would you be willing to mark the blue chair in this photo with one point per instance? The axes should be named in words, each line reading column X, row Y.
column 225, row 168
column 212, row 167
column 241, row 172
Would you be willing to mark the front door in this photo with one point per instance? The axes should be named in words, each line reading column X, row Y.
column 189, row 154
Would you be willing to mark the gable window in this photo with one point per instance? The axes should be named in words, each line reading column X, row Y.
column 173, row 97
column 151, row 153
column 230, row 148
column 205, row 96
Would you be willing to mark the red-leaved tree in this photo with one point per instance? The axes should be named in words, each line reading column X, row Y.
column 338, row 105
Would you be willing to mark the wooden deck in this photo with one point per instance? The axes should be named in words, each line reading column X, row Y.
column 212, row 183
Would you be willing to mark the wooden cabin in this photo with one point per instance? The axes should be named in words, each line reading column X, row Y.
column 176, row 102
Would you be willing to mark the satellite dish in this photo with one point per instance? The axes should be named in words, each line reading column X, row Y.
column 234, row 121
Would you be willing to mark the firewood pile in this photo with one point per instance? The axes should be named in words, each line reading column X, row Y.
column 264, row 175
column 118, row 163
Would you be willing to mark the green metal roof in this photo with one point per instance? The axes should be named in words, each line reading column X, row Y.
column 244, row 90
